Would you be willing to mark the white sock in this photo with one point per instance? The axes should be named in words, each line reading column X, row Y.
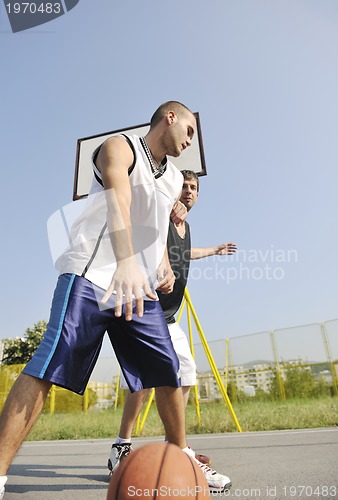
column 3, row 481
column 119, row 440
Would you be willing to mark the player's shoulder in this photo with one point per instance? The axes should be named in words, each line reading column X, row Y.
column 115, row 147
column 115, row 142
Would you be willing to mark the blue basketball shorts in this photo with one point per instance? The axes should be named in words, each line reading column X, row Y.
column 73, row 339
column 182, row 349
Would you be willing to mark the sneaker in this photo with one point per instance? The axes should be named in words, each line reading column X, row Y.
column 3, row 480
column 218, row 483
column 204, row 459
column 118, row 453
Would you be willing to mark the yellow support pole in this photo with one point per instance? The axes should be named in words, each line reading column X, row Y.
column 212, row 362
column 329, row 358
column 278, row 371
column 117, row 388
column 6, row 389
column 188, row 303
column 197, row 404
column 231, row 364
column 146, row 411
column 86, row 400
column 226, row 364
column 181, row 310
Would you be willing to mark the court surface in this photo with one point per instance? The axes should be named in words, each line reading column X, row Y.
column 299, row 464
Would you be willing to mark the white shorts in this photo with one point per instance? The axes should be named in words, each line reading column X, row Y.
column 182, row 348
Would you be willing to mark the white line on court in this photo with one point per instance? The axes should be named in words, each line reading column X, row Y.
column 227, row 435
column 262, row 433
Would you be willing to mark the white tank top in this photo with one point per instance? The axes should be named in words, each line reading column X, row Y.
column 90, row 253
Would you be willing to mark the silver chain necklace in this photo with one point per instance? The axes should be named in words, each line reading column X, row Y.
column 157, row 169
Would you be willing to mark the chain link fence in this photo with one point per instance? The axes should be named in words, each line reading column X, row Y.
column 299, row 361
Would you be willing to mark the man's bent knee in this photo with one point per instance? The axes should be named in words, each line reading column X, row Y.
column 30, row 380
column 168, row 390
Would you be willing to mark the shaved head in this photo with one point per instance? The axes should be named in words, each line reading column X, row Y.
column 177, row 107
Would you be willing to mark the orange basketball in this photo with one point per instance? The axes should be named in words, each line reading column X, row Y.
column 158, row 470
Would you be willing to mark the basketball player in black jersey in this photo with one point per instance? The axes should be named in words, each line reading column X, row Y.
column 180, row 253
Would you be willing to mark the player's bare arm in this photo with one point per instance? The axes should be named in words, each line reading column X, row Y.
column 114, row 160
column 223, row 249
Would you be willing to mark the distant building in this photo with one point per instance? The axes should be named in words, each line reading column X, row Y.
column 207, row 386
column 326, row 375
column 250, row 390
column 248, row 378
column 257, row 375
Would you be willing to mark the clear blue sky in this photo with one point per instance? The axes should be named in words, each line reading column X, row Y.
column 263, row 76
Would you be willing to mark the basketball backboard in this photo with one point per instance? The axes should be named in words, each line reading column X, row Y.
column 191, row 159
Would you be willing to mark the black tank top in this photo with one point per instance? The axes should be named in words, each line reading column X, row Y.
column 179, row 250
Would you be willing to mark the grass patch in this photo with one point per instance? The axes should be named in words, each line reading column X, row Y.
column 252, row 416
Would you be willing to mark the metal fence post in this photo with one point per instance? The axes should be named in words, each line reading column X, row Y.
column 197, row 403
column 52, row 399
column 280, row 381
column 329, row 358
column 85, row 404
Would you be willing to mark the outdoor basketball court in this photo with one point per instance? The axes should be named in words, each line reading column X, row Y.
column 278, row 464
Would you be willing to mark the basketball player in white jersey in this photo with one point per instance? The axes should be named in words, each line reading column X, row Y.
column 108, row 276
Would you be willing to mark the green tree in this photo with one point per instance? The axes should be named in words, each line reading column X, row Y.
column 299, row 381
column 20, row 350
column 321, row 388
column 232, row 391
